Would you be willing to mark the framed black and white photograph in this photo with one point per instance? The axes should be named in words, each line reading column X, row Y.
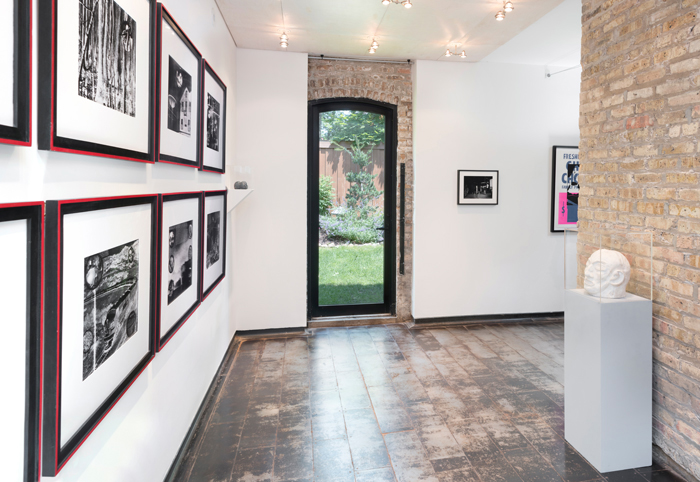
column 178, row 94
column 95, row 76
column 214, row 243
column 477, row 187
column 564, row 208
column 213, row 121
column 16, row 68
column 180, row 260
column 100, row 314
column 21, row 258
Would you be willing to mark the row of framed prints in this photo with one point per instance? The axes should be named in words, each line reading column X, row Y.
column 117, row 278
column 116, row 79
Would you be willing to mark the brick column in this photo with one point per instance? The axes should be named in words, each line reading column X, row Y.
column 640, row 107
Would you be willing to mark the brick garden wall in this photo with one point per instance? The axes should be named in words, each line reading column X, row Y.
column 639, row 119
column 389, row 83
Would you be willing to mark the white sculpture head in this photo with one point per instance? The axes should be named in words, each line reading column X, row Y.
column 607, row 274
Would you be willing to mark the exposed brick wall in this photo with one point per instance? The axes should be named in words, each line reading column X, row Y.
column 389, row 83
column 640, row 112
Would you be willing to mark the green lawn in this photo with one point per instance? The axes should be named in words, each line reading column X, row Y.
column 351, row 275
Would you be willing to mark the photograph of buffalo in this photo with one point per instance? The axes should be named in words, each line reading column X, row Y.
column 213, row 119
column 110, row 308
column 213, row 234
column 179, row 99
column 179, row 259
column 107, row 55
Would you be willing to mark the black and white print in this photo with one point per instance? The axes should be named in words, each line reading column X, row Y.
column 179, row 259
column 478, row 187
column 213, row 235
column 213, row 120
column 107, row 55
column 110, row 309
column 179, row 99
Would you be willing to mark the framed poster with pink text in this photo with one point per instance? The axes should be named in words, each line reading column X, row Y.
column 565, row 187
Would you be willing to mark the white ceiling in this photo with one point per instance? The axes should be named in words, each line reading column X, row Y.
column 553, row 40
column 346, row 27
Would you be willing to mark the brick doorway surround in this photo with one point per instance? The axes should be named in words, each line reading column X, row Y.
column 385, row 82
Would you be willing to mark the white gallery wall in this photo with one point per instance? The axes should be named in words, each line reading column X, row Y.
column 481, row 260
column 269, row 243
column 139, row 438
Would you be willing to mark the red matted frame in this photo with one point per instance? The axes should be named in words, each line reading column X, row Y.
column 207, row 68
column 163, row 338
column 55, row 456
column 206, row 291
column 33, row 212
column 163, row 15
column 21, row 133
column 49, row 140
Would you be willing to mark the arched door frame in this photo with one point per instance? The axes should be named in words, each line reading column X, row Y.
column 389, row 111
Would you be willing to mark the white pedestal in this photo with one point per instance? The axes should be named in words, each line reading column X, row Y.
column 608, row 379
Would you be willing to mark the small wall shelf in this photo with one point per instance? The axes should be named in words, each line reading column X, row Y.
column 235, row 196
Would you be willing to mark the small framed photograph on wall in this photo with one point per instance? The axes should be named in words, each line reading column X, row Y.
column 95, row 77
column 179, row 290
column 101, row 258
column 21, row 258
column 178, row 94
column 213, row 121
column 214, row 244
column 16, row 65
column 565, row 189
column 477, row 187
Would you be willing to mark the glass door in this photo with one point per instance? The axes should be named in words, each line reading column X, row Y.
column 352, row 218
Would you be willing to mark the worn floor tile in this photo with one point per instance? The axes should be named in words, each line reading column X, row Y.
column 388, row 403
column 388, row 409
column 377, row 475
column 254, row 464
column 366, row 442
column 332, row 460
column 408, row 459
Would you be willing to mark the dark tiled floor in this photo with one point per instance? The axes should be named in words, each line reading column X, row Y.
column 388, row 403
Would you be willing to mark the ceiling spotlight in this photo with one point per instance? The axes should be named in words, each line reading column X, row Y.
column 500, row 15
column 284, row 41
column 386, row 2
column 372, row 50
column 508, row 6
column 407, row 3
column 375, row 45
column 449, row 53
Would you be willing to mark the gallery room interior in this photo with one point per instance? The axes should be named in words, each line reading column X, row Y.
column 370, row 241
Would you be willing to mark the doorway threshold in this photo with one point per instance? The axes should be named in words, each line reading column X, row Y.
column 356, row 320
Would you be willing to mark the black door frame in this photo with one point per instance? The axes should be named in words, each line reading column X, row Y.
column 389, row 111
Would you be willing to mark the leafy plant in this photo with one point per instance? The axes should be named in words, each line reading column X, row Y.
column 352, row 125
column 326, row 194
column 350, row 228
column 362, row 191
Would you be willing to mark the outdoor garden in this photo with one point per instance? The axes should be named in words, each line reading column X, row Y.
column 351, row 220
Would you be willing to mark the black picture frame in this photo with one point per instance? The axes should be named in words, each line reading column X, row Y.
column 463, row 199
column 163, row 337
column 164, row 16
column 207, row 69
column 47, row 111
column 20, row 134
column 557, row 171
column 206, row 291
column 55, row 456
column 33, row 213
